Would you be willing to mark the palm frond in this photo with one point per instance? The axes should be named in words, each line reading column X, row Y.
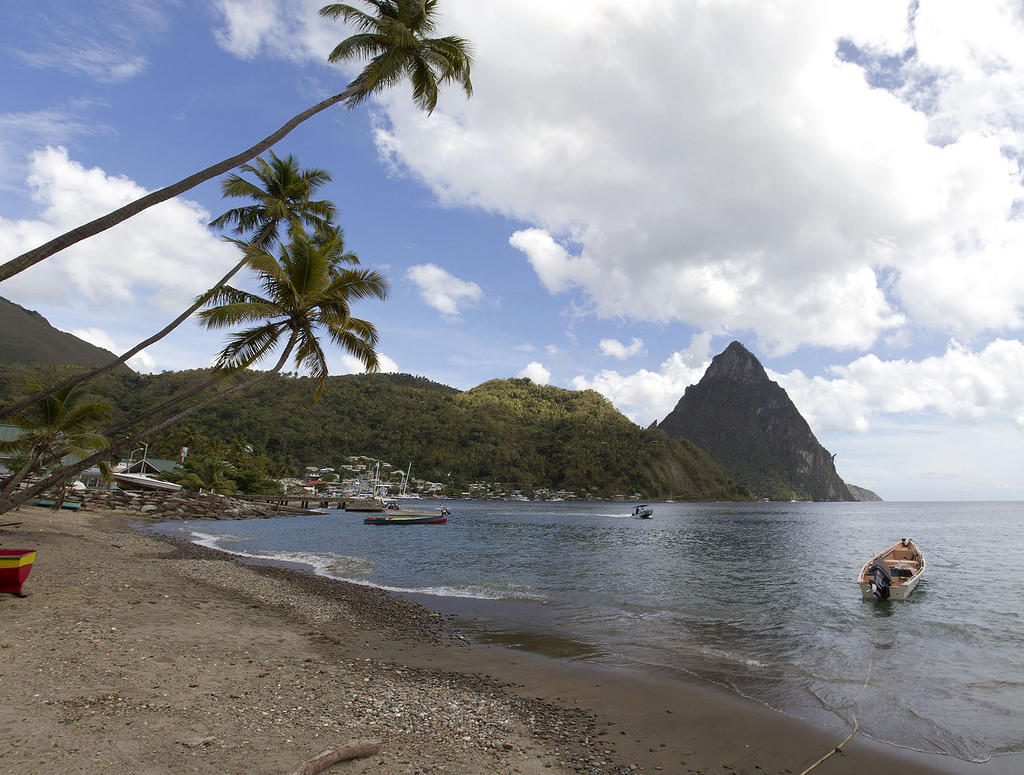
column 246, row 347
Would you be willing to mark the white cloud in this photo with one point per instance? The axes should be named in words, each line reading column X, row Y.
column 350, row 364
column 645, row 395
column 535, row 371
column 442, row 290
column 751, row 179
column 161, row 258
column 616, row 349
column 286, row 29
column 21, row 130
column 970, row 387
column 141, row 362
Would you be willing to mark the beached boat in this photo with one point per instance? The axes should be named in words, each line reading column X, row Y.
column 430, row 519
column 642, row 512
column 893, row 573
column 15, row 565
column 143, row 481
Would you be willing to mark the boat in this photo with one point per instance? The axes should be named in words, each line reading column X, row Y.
column 143, row 481
column 15, row 565
column 892, row 574
column 396, row 515
column 642, row 512
column 425, row 519
column 69, row 505
column 403, row 492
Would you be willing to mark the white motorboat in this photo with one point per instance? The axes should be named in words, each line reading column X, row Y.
column 892, row 574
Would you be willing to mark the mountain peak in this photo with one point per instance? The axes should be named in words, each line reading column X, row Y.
column 736, row 363
column 751, row 428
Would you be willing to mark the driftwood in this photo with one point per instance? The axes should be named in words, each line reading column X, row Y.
column 323, row 760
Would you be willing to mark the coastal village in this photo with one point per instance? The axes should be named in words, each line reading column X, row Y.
column 361, row 476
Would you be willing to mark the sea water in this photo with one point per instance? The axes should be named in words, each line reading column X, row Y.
column 758, row 598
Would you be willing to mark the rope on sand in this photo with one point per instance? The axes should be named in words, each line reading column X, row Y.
column 856, row 726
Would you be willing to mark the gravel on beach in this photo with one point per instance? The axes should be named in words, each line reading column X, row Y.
column 138, row 654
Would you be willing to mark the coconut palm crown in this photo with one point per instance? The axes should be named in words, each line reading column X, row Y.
column 396, row 41
column 280, row 194
column 307, row 292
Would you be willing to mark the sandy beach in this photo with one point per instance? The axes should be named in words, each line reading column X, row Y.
column 135, row 654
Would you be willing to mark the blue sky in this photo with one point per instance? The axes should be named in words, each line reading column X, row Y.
column 838, row 186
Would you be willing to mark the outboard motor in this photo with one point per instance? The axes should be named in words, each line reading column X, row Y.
column 881, row 580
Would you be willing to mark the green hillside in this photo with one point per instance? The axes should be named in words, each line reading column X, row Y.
column 511, row 431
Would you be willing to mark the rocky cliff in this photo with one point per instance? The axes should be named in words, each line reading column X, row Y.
column 750, row 427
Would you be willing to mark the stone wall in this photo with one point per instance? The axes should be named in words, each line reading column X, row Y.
column 180, row 505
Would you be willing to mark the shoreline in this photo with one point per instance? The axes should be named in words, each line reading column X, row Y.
column 138, row 652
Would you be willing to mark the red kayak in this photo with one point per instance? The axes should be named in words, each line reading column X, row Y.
column 15, row 565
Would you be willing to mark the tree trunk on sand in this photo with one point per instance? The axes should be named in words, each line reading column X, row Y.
column 323, row 760
column 16, row 499
column 7, row 411
column 69, row 238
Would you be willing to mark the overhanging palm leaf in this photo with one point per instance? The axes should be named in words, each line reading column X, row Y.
column 391, row 32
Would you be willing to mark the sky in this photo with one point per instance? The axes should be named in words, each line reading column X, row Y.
column 836, row 185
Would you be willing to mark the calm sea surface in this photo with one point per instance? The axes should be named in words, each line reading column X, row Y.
column 758, row 598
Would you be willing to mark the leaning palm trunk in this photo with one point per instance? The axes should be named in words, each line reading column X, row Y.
column 16, row 499
column 18, row 476
column 69, row 238
column 8, row 411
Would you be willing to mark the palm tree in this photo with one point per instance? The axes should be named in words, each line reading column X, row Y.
column 282, row 193
column 395, row 35
column 307, row 290
column 285, row 195
column 306, row 293
column 63, row 423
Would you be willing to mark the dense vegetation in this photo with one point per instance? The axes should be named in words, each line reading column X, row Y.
column 511, row 431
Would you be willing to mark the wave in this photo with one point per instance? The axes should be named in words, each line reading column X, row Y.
column 352, row 570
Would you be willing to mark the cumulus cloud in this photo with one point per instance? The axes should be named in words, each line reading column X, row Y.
column 285, row 29
column 616, row 349
column 350, row 364
column 645, row 396
column 536, row 372
column 442, row 290
column 960, row 384
column 160, row 258
column 756, row 177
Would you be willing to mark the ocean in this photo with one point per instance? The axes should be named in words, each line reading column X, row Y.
column 759, row 598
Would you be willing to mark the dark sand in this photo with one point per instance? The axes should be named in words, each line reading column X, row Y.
column 133, row 654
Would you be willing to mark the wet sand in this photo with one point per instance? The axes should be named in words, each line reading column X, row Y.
column 135, row 654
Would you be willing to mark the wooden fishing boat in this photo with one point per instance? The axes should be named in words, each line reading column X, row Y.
column 15, row 565
column 893, row 573
column 427, row 519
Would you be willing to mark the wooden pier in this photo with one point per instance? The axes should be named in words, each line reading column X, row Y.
column 308, row 502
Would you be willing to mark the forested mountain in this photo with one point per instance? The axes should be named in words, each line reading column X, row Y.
column 511, row 431
column 749, row 425
column 27, row 337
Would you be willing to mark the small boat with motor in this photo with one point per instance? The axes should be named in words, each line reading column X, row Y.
column 642, row 512
column 433, row 519
column 892, row 574
column 396, row 515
